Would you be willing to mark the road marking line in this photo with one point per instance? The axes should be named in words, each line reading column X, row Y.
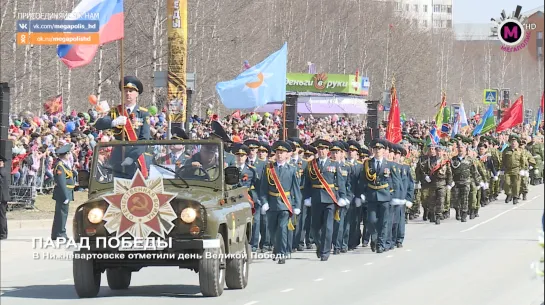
column 66, row 280
column 252, row 303
column 344, row 271
column 499, row 215
column 389, row 256
column 287, row 290
column 368, row 264
column 408, row 250
column 318, row 280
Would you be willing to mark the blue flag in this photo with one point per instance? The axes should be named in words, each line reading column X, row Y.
column 258, row 85
column 487, row 123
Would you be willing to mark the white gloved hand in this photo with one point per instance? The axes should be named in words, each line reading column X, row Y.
column 264, row 208
column 418, row 186
column 496, row 178
column 527, row 173
column 342, row 202
column 491, row 175
column 452, row 184
column 408, row 204
column 362, row 197
column 357, row 201
column 522, row 173
column 531, row 167
column 428, row 179
column 119, row 121
column 297, row 211
column 308, row 202
column 482, row 185
column 486, row 185
column 127, row 162
column 449, row 187
column 66, row 201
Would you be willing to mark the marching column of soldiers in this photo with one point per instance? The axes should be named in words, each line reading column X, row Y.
column 334, row 197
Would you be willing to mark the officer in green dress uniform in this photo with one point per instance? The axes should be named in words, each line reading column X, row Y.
column 301, row 165
column 309, row 153
column 265, row 244
column 512, row 165
column 124, row 159
column 248, row 173
column 258, row 165
column 63, row 192
column 340, row 225
column 274, row 197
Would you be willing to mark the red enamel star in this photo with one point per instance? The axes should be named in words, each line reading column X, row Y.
column 138, row 207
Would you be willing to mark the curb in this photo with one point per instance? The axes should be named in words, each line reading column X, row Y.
column 15, row 224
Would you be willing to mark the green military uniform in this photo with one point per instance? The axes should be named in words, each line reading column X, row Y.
column 479, row 188
column 512, row 164
column 463, row 171
column 529, row 162
column 423, row 168
column 496, row 161
column 536, row 173
column 63, row 193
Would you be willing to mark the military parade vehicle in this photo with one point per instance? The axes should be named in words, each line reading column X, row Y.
column 177, row 204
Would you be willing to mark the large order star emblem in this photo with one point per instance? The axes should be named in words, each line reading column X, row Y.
column 139, row 207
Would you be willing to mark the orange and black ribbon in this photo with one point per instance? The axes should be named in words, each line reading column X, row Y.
column 280, row 188
column 131, row 135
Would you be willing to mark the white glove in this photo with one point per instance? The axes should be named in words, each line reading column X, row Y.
column 119, row 121
column 297, row 211
column 452, row 184
column 264, row 208
column 308, row 202
column 527, row 173
column 428, row 179
column 486, row 185
column 342, row 202
column 358, row 202
column 128, row 161
column 362, row 197
column 408, row 204
column 66, row 201
column 449, row 187
column 418, row 186
column 500, row 173
column 531, row 167
column 496, row 178
column 522, row 173
column 491, row 175
column 482, row 185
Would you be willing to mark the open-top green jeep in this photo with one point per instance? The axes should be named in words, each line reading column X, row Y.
column 177, row 204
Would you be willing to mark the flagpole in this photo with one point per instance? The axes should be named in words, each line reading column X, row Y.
column 122, row 76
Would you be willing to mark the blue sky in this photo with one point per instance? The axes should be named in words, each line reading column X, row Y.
column 480, row 11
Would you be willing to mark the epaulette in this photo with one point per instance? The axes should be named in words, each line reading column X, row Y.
column 143, row 109
column 359, row 162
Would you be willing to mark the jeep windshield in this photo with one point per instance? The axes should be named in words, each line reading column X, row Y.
column 188, row 161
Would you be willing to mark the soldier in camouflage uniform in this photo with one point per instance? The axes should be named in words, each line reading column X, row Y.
column 493, row 166
column 423, row 169
column 438, row 175
column 512, row 165
column 463, row 169
column 529, row 163
column 477, row 186
column 536, row 149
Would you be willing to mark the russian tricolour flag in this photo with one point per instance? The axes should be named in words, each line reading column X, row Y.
column 111, row 23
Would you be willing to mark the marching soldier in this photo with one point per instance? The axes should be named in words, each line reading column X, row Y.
column 512, row 165
column 423, row 169
column 279, row 184
column 403, row 196
column 477, row 185
column 375, row 187
column 463, row 169
column 366, row 233
column 529, row 164
column 265, row 241
column 355, row 210
column 439, row 177
column 340, row 223
column 259, row 165
column 301, row 165
column 323, row 177
column 490, row 169
column 536, row 150
column 306, row 233
column 63, row 192
column 134, row 122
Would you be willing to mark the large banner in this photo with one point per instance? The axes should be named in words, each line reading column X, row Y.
column 177, row 58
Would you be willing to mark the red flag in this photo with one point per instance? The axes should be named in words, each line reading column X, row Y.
column 512, row 116
column 53, row 105
column 393, row 131
column 542, row 101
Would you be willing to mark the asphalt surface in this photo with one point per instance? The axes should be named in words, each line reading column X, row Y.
column 484, row 261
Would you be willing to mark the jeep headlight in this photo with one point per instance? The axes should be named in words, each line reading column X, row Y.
column 188, row 215
column 95, row 215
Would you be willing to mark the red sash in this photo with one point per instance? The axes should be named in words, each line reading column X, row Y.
column 131, row 136
column 280, row 188
column 438, row 166
column 252, row 203
column 323, row 182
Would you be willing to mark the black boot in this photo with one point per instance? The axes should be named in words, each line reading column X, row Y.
column 508, row 199
column 515, row 200
column 524, row 196
column 476, row 214
column 431, row 217
column 425, row 216
column 458, row 215
column 464, row 217
column 471, row 214
column 438, row 219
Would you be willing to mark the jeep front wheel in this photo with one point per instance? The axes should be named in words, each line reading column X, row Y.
column 238, row 268
column 86, row 277
column 118, row 278
column 212, row 270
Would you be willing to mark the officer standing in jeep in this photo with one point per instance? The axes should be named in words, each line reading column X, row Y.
column 134, row 121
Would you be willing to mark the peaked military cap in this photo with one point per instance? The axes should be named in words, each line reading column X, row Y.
column 482, row 145
column 298, row 143
column 311, row 150
column 219, row 132
column 321, row 143
column 398, row 149
column 281, row 146
column 293, row 146
column 240, row 149
column 377, row 143
column 178, row 134
column 336, row 146
column 264, row 147
column 63, row 150
column 353, row 145
column 252, row 144
column 364, row 152
column 132, row 82
column 346, row 146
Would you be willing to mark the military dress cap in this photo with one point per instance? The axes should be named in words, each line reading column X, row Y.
column 321, row 143
column 219, row 132
column 514, row 137
column 311, row 150
column 364, row 152
column 353, row 145
column 346, row 146
column 264, row 147
column 63, row 150
column 252, row 144
column 397, row 148
column 240, row 149
column 178, row 133
column 298, row 143
column 482, row 145
column 281, row 146
column 292, row 145
column 377, row 143
column 132, row 82
column 336, row 146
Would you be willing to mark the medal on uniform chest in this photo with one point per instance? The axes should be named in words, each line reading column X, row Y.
column 386, row 172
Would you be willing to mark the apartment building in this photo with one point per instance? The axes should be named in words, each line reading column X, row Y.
column 428, row 14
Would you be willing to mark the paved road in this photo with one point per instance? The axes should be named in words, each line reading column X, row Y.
column 485, row 261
